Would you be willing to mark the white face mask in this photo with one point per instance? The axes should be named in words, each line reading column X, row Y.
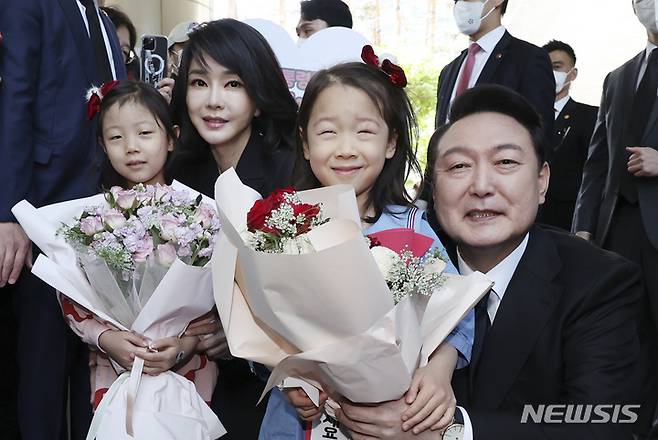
column 561, row 80
column 468, row 16
column 647, row 14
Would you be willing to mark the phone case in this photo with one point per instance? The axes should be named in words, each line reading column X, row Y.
column 154, row 58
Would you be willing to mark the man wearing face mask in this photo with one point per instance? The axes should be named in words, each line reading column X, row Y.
column 495, row 57
column 574, row 123
column 617, row 205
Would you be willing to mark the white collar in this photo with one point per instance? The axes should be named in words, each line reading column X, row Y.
column 560, row 103
column 501, row 274
column 489, row 41
column 648, row 50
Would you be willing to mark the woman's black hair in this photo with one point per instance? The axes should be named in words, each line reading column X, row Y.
column 139, row 93
column 396, row 110
column 243, row 50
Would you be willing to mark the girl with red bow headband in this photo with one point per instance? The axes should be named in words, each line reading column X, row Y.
column 136, row 130
column 356, row 126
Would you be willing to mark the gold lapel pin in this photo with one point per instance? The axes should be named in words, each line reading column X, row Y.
column 567, row 116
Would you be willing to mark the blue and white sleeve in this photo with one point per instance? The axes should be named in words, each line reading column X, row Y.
column 463, row 335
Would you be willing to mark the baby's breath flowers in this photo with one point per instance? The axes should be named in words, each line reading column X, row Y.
column 406, row 274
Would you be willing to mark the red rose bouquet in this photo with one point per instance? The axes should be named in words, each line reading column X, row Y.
column 324, row 312
column 279, row 222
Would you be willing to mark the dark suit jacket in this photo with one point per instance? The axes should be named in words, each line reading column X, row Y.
column 564, row 332
column 607, row 159
column 517, row 64
column 48, row 148
column 257, row 168
column 572, row 133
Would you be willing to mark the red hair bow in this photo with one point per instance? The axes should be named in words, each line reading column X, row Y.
column 95, row 97
column 394, row 72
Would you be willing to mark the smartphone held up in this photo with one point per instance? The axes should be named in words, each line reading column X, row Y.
column 154, row 59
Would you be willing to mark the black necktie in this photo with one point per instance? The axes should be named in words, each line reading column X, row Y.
column 100, row 52
column 482, row 325
column 643, row 102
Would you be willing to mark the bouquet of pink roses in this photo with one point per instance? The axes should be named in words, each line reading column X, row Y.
column 138, row 260
column 127, row 245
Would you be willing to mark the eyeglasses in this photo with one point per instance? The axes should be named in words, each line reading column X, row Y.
column 128, row 55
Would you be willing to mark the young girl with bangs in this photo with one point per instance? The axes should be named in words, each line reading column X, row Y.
column 356, row 126
column 138, row 135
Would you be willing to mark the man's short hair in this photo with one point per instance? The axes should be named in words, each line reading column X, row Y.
column 554, row 45
column 502, row 100
column 334, row 12
column 503, row 7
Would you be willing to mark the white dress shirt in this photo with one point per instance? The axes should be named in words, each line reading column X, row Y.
column 487, row 43
column 501, row 275
column 106, row 40
column 559, row 105
column 645, row 61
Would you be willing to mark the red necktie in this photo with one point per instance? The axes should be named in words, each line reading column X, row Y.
column 473, row 49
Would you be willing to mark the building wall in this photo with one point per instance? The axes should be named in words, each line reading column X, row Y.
column 160, row 16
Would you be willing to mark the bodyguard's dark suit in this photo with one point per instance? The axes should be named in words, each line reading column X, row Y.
column 517, row 64
column 48, row 153
column 607, row 159
column 564, row 332
column 628, row 228
column 572, row 132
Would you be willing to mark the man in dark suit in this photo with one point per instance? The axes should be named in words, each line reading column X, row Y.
column 558, row 326
column 53, row 51
column 574, row 123
column 617, row 205
column 495, row 57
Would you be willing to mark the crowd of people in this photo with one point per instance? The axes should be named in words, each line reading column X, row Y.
column 553, row 200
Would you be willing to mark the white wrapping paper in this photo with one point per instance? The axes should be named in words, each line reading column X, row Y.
column 167, row 403
column 327, row 318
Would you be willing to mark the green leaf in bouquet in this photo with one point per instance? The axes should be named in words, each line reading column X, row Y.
column 73, row 235
column 157, row 238
column 109, row 197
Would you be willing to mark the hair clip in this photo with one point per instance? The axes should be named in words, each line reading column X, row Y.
column 95, row 97
column 394, row 72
